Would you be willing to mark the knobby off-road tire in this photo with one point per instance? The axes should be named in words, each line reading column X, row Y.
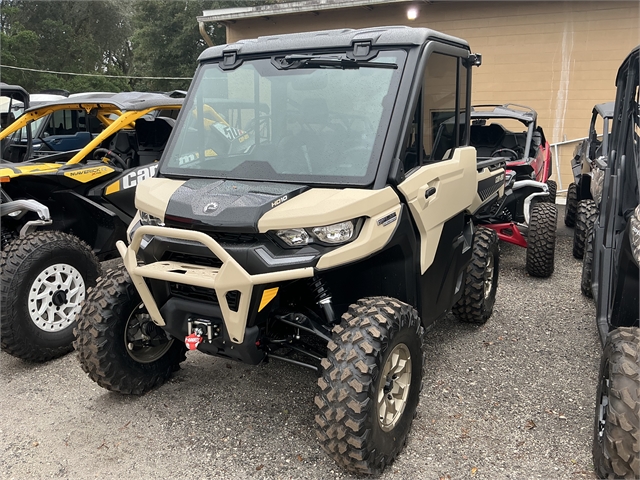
column 541, row 240
column 553, row 190
column 109, row 341
column 6, row 237
column 44, row 280
column 586, row 215
column 571, row 207
column 587, row 264
column 370, row 384
column 481, row 281
column 616, row 442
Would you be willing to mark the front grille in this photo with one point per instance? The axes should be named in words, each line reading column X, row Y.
column 227, row 237
column 187, row 259
column 192, row 292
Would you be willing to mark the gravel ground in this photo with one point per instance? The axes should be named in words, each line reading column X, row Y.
column 511, row 399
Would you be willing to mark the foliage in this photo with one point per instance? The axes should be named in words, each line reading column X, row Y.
column 154, row 38
column 68, row 36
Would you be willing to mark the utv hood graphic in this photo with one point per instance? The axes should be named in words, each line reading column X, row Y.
column 227, row 204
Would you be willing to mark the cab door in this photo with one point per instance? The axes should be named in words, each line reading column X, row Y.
column 441, row 182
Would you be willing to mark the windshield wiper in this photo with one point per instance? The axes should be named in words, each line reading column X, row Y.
column 333, row 61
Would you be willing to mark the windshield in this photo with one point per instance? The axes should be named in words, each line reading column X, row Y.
column 311, row 121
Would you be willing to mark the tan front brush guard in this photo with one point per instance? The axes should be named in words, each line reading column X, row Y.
column 231, row 276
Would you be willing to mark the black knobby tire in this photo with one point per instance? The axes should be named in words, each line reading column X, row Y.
column 348, row 425
column 587, row 265
column 541, row 240
column 571, row 207
column 481, row 280
column 586, row 215
column 616, row 437
column 101, row 339
column 32, row 327
column 6, row 237
column 553, row 190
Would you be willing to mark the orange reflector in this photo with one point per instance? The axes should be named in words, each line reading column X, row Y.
column 5, row 179
column 268, row 295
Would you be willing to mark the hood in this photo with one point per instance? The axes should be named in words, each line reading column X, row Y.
column 228, row 205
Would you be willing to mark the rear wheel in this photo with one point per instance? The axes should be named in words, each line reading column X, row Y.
column 45, row 277
column 585, row 216
column 370, row 384
column 6, row 237
column 541, row 240
column 481, row 281
column 118, row 344
column 553, row 189
column 587, row 264
column 616, row 448
column 572, row 205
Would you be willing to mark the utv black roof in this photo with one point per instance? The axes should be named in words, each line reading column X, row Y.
column 342, row 38
column 14, row 91
column 508, row 110
column 634, row 56
column 125, row 101
column 605, row 110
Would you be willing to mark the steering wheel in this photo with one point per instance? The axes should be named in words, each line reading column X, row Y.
column 499, row 153
column 114, row 158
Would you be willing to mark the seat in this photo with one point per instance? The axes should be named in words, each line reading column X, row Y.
column 486, row 138
column 152, row 134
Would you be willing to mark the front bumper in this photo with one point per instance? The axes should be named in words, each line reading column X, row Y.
column 230, row 277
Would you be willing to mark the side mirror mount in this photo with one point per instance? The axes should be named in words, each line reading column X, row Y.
column 601, row 162
column 474, row 60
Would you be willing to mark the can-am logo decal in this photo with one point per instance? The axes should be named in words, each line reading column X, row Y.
column 210, row 207
column 499, row 178
column 387, row 219
column 277, row 202
column 133, row 178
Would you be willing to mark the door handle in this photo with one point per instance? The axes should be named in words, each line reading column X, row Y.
column 429, row 192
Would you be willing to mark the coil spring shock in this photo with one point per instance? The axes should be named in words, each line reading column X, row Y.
column 500, row 213
column 323, row 298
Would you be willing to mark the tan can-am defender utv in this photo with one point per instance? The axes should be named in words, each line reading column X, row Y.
column 331, row 232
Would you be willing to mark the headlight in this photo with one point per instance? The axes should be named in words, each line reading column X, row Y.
column 294, row 237
column 635, row 234
column 335, row 234
column 146, row 219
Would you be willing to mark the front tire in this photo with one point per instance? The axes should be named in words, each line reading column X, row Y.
column 117, row 343
column 541, row 240
column 481, row 280
column 585, row 217
column 45, row 277
column 370, row 384
column 571, row 207
column 616, row 448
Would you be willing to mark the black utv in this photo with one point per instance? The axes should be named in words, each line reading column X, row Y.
column 616, row 249
column 330, row 225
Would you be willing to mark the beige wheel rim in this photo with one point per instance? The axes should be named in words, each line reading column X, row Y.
column 393, row 387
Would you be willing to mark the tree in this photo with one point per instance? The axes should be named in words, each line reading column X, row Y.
column 166, row 42
column 67, row 36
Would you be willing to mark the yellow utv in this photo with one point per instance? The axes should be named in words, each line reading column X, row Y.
column 62, row 212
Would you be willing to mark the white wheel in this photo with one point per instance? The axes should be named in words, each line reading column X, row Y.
column 55, row 297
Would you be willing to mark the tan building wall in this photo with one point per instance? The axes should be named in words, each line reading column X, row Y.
column 559, row 58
